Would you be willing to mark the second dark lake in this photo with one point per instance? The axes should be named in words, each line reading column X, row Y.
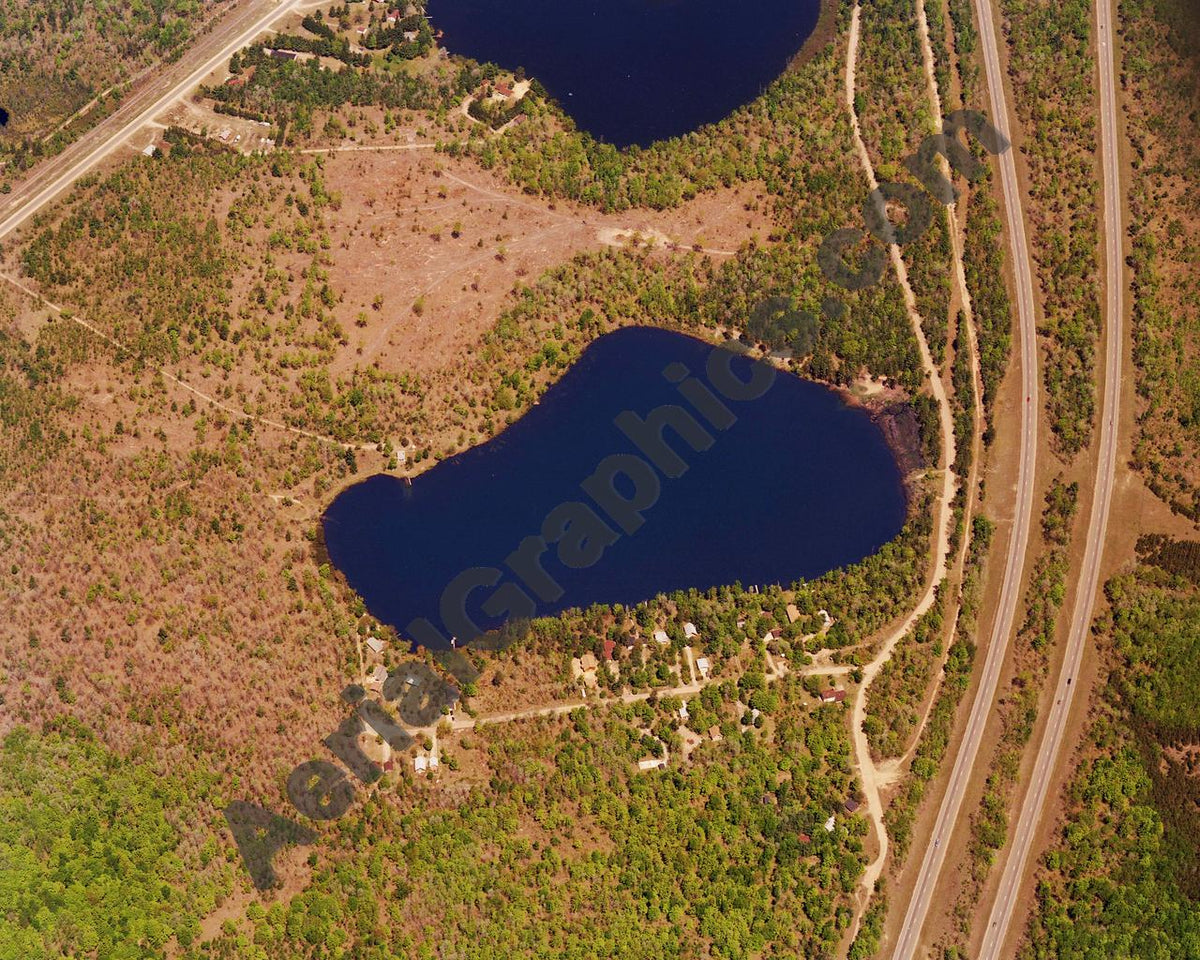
column 634, row 71
column 788, row 485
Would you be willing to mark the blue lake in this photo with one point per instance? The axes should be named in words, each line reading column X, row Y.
column 634, row 71
column 787, row 485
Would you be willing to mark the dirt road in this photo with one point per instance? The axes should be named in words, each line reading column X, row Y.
column 964, row 763
column 683, row 690
column 890, row 770
column 873, row 781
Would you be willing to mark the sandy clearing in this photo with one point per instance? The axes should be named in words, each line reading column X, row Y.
column 394, row 237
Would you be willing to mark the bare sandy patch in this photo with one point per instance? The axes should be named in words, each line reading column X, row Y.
column 443, row 243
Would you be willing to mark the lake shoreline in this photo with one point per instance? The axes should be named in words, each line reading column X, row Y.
column 829, row 493
column 901, row 430
column 632, row 74
column 891, row 410
column 823, row 33
column 889, row 407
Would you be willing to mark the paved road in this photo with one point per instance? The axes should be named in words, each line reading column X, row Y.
column 1081, row 619
column 918, row 908
column 54, row 176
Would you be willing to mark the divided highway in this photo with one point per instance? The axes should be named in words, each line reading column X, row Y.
column 909, row 936
column 1081, row 618
column 55, row 175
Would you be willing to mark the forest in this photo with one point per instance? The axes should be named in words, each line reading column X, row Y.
column 724, row 856
column 57, row 55
column 1161, row 39
column 102, row 856
column 1121, row 878
column 217, row 269
column 934, row 739
column 1055, row 88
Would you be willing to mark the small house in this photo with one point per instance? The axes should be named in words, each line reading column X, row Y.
column 804, row 838
column 379, row 674
column 793, row 613
column 584, row 668
column 690, row 631
column 661, row 637
column 850, row 805
column 376, row 644
column 703, row 666
column 829, row 824
column 833, row 695
column 714, row 733
column 420, row 764
column 608, row 648
column 652, row 763
column 683, row 711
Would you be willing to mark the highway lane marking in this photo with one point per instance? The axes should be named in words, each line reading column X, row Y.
column 108, row 145
column 1031, row 809
column 947, row 817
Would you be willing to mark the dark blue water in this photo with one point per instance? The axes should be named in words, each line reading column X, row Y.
column 799, row 484
column 635, row 71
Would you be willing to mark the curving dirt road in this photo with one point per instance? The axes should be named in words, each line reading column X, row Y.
column 1031, row 810
column 873, row 781
column 890, row 770
column 947, row 817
